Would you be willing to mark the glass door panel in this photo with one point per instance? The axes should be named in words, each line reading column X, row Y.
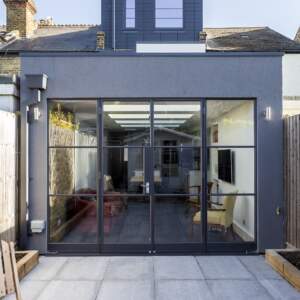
column 177, row 123
column 177, row 219
column 177, row 173
column 126, row 219
column 126, row 123
column 177, row 170
column 125, row 169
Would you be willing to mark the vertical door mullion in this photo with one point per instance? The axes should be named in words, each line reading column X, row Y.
column 151, row 175
column 204, row 173
column 100, row 174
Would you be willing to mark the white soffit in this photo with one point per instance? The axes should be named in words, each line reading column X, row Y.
column 170, row 48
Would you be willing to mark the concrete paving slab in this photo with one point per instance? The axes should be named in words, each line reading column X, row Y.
column 258, row 267
column 159, row 278
column 176, row 267
column 238, row 290
column 47, row 268
column 70, row 290
column 129, row 268
column 126, row 290
column 83, row 268
column 29, row 290
column 223, row 267
column 280, row 289
column 182, row 290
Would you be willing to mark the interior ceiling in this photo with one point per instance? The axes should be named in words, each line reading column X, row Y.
column 137, row 114
column 215, row 109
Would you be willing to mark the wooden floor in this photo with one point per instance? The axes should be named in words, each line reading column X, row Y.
column 173, row 224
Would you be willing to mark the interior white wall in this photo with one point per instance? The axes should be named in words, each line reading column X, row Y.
column 85, row 164
column 291, row 84
column 233, row 133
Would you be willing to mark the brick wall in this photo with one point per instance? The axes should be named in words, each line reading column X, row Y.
column 10, row 65
column 20, row 16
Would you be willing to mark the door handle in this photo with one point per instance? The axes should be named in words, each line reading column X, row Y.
column 147, row 188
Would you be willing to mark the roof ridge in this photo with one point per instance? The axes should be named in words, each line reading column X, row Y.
column 66, row 25
column 235, row 27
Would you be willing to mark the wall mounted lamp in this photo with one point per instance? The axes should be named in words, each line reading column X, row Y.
column 268, row 113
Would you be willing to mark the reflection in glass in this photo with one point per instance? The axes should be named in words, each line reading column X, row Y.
column 124, row 170
column 177, row 170
column 178, row 122
column 231, row 169
column 72, row 123
column 73, row 219
column 72, row 171
column 230, row 122
column 230, row 218
column 126, row 123
column 126, row 219
column 174, row 220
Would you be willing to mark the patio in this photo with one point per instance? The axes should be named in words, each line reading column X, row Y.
column 160, row 278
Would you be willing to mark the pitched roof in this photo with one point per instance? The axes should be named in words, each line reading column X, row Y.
column 58, row 38
column 74, row 38
column 297, row 37
column 252, row 39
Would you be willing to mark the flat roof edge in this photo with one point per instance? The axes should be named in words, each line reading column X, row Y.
column 134, row 54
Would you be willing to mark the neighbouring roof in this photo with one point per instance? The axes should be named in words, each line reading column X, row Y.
column 57, row 38
column 249, row 39
column 297, row 37
column 74, row 38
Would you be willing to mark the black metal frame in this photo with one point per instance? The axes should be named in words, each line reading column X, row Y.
column 152, row 248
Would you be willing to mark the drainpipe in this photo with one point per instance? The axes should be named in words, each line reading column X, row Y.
column 30, row 113
column 114, row 25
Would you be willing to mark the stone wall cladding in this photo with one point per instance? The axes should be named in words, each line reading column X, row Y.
column 61, row 175
column 10, row 65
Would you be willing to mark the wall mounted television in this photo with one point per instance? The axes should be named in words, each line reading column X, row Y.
column 226, row 165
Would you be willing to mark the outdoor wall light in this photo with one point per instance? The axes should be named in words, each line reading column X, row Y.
column 268, row 113
column 36, row 113
column 33, row 113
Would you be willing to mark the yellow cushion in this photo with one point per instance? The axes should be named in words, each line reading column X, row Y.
column 213, row 217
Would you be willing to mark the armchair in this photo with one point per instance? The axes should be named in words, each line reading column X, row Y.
column 221, row 217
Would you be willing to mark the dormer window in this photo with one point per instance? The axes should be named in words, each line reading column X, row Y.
column 130, row 14
column 168, row 13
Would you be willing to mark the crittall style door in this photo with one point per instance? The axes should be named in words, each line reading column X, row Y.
column 151, row 175
column 152, row 178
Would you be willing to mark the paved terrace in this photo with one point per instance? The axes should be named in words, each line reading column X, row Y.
column 159, row 278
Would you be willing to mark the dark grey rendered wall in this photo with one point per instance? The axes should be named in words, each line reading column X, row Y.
column 145, row 24
column 207, row 75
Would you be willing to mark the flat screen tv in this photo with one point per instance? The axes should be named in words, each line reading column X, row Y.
column 226, row 165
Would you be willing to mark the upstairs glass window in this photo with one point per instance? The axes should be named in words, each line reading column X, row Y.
column 130, row 13
column 169, row 13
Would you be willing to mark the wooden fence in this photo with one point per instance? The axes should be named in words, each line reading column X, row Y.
column 292, row 179
column 8, row 176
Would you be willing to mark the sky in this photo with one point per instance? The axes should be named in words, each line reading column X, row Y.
column 281, row 15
